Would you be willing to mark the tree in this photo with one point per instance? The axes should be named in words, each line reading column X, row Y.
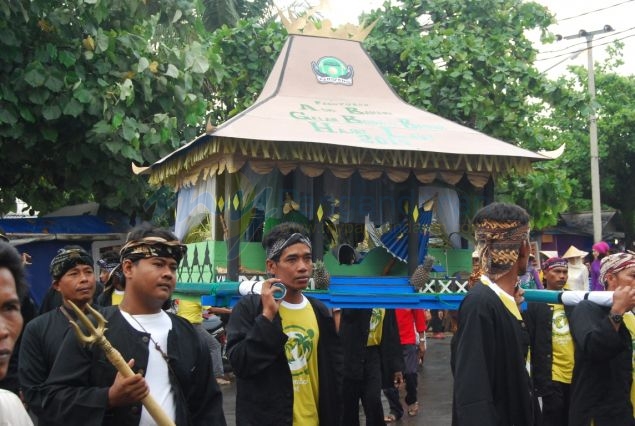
column 615, row 109
column 217, row 13
column 88, row 87
column 246, row 54
column 471, row 62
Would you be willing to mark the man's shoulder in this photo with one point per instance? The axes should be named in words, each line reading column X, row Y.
column 44, row 321
column 248, row 301
column 480, row 292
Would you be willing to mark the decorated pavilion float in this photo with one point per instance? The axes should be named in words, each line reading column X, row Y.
column 329, row 144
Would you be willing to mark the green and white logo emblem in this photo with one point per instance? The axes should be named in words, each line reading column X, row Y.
column 329, row 69
column 298, row 349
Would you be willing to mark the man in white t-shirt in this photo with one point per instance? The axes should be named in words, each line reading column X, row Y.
column 169, row 360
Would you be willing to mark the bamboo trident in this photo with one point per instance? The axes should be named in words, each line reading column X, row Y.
column 96, row 336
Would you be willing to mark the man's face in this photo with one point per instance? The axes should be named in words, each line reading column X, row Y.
column 556, row 278
column 10, row 318
column 150, row 281
column 523, row 257
column 103, row 275
column 77, row 284
column 624, row 278
column 294, row 268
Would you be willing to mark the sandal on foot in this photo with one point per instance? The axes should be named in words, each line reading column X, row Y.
column 413, row 409
column 390, row 418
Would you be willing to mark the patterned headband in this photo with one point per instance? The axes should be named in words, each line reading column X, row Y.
column 555, row 262
column 153, row 247
column 279, row 245
column 615, row 263
column 108, row 265
column 497, row 245
column 66, row 259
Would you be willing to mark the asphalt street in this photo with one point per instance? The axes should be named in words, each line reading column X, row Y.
column 434, row 390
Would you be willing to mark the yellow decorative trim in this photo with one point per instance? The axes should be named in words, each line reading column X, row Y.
column 219, row 155
column 312, row 24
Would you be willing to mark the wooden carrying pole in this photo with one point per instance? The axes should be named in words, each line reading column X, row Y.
column 96, row 336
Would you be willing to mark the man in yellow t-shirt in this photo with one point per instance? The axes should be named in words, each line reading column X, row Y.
column 372, row 361
column 191, row 309
column 286, row 354
column 552, row 354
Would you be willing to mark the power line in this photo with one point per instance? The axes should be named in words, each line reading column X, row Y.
column 613, row 34
column 582, row 50
column 596, row 10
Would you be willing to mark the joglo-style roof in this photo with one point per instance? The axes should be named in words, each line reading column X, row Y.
column 326, row 105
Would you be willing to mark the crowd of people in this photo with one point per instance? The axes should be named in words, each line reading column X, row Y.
column 553, row 363
column 297, row 362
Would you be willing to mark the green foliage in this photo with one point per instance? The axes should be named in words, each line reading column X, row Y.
column 88, row 87
column 544, row 192
column 615, row 110
column 217, row 13
column 468, row 61
column 246, row 54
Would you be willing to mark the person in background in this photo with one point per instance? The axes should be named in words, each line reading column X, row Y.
column 13, row 289
column 577, row 271
column 372, row 361
column 53, row 299
column 286, row 354
column 435, row 325
column 28, row 309
column 74, row 279
column 488, row 352
column 191, row 309
column 113, row 280
column 552, row 351
column 531, row 278
column 164, row 351
column 108, row 262
column 412, row 335
column 600, row 251
column 602, row 387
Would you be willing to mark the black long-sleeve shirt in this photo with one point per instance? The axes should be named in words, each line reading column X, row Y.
column 491, row 384
column 602, row 374
column 76, row 392
column 264, row 393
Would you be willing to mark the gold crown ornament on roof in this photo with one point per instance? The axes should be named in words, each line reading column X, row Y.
column 311, row 23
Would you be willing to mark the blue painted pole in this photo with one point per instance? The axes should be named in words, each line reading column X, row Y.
column 373, row 295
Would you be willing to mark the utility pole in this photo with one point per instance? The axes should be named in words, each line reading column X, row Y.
column 593, row 130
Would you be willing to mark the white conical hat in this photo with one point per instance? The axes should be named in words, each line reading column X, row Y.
column 573, row 251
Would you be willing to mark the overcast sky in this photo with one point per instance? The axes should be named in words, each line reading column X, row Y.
column 572, row 15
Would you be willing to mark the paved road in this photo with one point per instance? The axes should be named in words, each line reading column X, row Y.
column 435, row 390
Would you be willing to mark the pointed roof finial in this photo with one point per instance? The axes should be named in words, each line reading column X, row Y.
column 311, row 24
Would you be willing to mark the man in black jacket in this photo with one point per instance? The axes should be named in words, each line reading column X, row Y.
column 285, row 354
column 169, row 360
column 491, row 384
column 372, row 361
column 74, row 280
column 603, row 336
column 552, row 352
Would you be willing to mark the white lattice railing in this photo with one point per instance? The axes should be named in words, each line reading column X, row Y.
column 445, row 285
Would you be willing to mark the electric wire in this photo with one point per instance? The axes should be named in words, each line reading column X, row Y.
column 595, row 11
column 611, row 34
column 585, row 48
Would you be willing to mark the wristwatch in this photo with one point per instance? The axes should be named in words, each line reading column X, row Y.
column 616, row 318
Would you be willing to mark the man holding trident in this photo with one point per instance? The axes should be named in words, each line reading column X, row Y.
column 164, row 351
